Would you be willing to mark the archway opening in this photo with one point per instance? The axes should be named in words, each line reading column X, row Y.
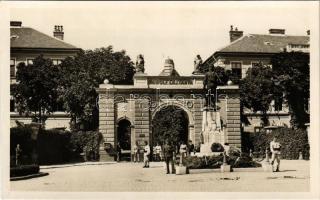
column 172, row 123
column 124, row 134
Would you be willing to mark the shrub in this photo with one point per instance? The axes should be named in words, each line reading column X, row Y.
column 53, row 146
column 86, row 142
column 292, row 142
column 217, row 147
column 20, row 135
column 24, row 170
column 212, row 162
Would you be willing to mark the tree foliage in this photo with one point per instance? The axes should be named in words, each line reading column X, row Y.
column 170, row 123
column 292, row 72
column 81, row 75
column 257, row 90
column 36, row 91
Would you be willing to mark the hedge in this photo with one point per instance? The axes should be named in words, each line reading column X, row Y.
column 55, row 146
column 24, row 170
column 235, row 159
column 292, row 142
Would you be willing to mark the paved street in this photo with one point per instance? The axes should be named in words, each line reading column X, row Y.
column 132, row 177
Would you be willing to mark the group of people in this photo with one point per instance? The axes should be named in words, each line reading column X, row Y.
column 168, row 153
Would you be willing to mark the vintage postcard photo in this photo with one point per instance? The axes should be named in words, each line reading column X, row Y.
column 201, row 99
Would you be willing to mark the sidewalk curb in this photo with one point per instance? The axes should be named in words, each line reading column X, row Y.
column 18, row 178
column 76, row 164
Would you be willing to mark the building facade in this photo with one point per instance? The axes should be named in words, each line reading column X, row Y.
column 127, row 112
column 25, row 45
column 245, row 51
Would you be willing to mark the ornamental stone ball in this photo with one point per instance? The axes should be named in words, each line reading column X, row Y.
column 106, row 81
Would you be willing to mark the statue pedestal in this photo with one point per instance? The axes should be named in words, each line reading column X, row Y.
column 180, row 170
column 225, row 168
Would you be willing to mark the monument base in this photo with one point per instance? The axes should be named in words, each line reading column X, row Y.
column 180, row 170
column 225, row 168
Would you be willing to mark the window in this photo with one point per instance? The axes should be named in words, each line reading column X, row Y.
column 58, row 107
column 56, row 61
column 12, row 104
column 278, row 103
column 12, row 67
column 255, row 64
column 236, row 69
column 29, row 61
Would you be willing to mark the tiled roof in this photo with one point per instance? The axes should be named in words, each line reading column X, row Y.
column 255, row 43
column 25, row 37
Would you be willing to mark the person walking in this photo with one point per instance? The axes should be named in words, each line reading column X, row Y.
column 146, row 155
column 275, row 150
column 168, row 151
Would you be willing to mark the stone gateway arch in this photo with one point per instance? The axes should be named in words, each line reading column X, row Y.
column 133, row 107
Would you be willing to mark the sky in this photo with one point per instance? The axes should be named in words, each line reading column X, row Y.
column 179, row 30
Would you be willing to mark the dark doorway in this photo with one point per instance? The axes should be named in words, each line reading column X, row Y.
column 124, row 138
column 171, row 122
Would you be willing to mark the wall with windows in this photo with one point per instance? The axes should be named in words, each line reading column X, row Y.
column 241, row 64
column 27, row 58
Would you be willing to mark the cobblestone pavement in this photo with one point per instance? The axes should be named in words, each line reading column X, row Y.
column 132, row 177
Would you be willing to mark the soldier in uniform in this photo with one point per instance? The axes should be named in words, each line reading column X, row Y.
column 210, row 83
column 275, row 150
column 146, row 155
column 118, row 152
column 168, row 151
column 135, row 153
column 18, row 155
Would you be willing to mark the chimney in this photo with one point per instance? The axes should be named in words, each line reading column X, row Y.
column 58, row 32
column 15, row 23
column 235, row 34
column 277, row 31
column 308, row 32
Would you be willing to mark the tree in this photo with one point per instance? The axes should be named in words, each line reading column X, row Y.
column 291, row 71
column 257, row 90
column 81, row 75
column 36, row 91
column 170, row 123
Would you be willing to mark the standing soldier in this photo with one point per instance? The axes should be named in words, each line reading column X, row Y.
column 135, row 153
column 18, row 155
column 146, row 155
column 183, row 151
column 158, row 152
column 190, row 148
column 118, row 152
column 168, row 151
column 275, row 150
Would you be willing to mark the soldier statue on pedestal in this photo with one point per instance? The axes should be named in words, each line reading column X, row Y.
column 140, row 63
column 210, row 85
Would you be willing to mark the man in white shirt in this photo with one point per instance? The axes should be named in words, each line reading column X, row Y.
column 158, row 152
column 146, row 155
column 183, row 151
column 275, row 150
